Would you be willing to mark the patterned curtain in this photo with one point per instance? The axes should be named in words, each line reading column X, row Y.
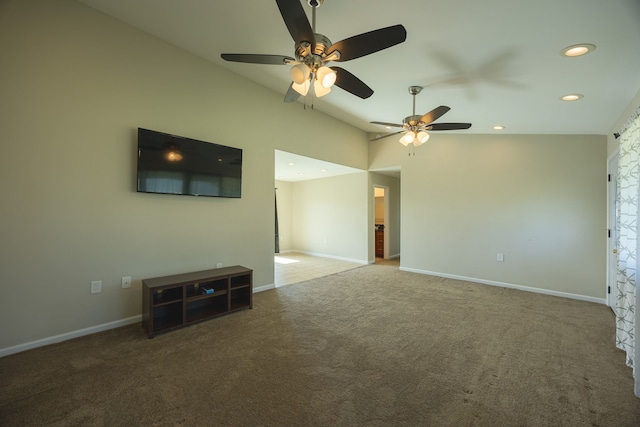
column 627, row 227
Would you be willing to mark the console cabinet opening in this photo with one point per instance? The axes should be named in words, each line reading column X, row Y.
column 175, row 301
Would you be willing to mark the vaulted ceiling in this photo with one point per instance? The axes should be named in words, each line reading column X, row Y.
column 494, row 62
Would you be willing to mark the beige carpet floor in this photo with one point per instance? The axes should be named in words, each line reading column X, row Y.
column 372, row 346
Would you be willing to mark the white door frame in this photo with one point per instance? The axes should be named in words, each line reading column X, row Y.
column 612, row 172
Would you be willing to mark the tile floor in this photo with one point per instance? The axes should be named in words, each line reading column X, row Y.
column 295, row 267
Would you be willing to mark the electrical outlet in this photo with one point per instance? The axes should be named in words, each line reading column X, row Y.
column 219, row 265
column 126, row 282
column 500, row 257
column 96, row 286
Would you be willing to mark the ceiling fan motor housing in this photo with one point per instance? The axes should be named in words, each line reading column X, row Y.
column 318, row 57
column 413, row 123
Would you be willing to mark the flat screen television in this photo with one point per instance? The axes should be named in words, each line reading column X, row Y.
column 171, row 164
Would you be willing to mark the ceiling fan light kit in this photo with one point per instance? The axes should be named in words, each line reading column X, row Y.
column 300, row 73
column 422, row 137
column 407, row 139
column 301, row 88
column 415, row 139
column 319, row 89
column 322, row 80
column 326, row 77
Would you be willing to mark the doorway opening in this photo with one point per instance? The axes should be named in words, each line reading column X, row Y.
column 381, row 223
column 305, row 235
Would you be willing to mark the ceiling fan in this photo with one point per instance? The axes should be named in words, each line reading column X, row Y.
column 313, row 51
column 415, row 127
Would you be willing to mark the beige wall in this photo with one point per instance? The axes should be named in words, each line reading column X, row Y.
column 285, row 212
column 75, row 86
column 538, row 199
column 329, row 217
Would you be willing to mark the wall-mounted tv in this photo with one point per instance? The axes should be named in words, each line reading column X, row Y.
column 170, row 164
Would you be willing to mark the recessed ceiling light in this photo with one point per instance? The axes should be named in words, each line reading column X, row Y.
column 291, row 164
column 572, row 97
column 578, row 49
column 388, row 127
column 498, row 127
column 324, row 170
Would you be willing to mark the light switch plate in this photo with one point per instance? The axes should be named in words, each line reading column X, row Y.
column 96, row 286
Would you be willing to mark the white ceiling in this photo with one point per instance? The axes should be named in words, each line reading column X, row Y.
column 492, row 61
column 293, row 167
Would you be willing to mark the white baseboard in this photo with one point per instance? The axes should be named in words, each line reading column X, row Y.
column 264, row 288
column 373, row 261
column 357, row 261
column 510, row 285
column 135, row 319
column 69, row 335
column 87, row 331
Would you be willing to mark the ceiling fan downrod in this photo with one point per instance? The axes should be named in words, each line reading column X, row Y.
column 314, row 5
column 412, row 122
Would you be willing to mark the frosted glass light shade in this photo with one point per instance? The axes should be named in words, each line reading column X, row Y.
column 319, row 89
column 407, row 139
column 300, row 73
column 326, row 76
column 423, row 137
column 301, row 88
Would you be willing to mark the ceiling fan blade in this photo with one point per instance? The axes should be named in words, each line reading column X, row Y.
column 384, row 136
column 367, row 43
column 351, row 83
column 292, row 95
column 395, row 125
column 257, row 58
column 434, row 114
column 448, row 126
column 296, row 21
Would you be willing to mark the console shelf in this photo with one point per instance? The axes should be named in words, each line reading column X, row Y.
column 171, row 302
